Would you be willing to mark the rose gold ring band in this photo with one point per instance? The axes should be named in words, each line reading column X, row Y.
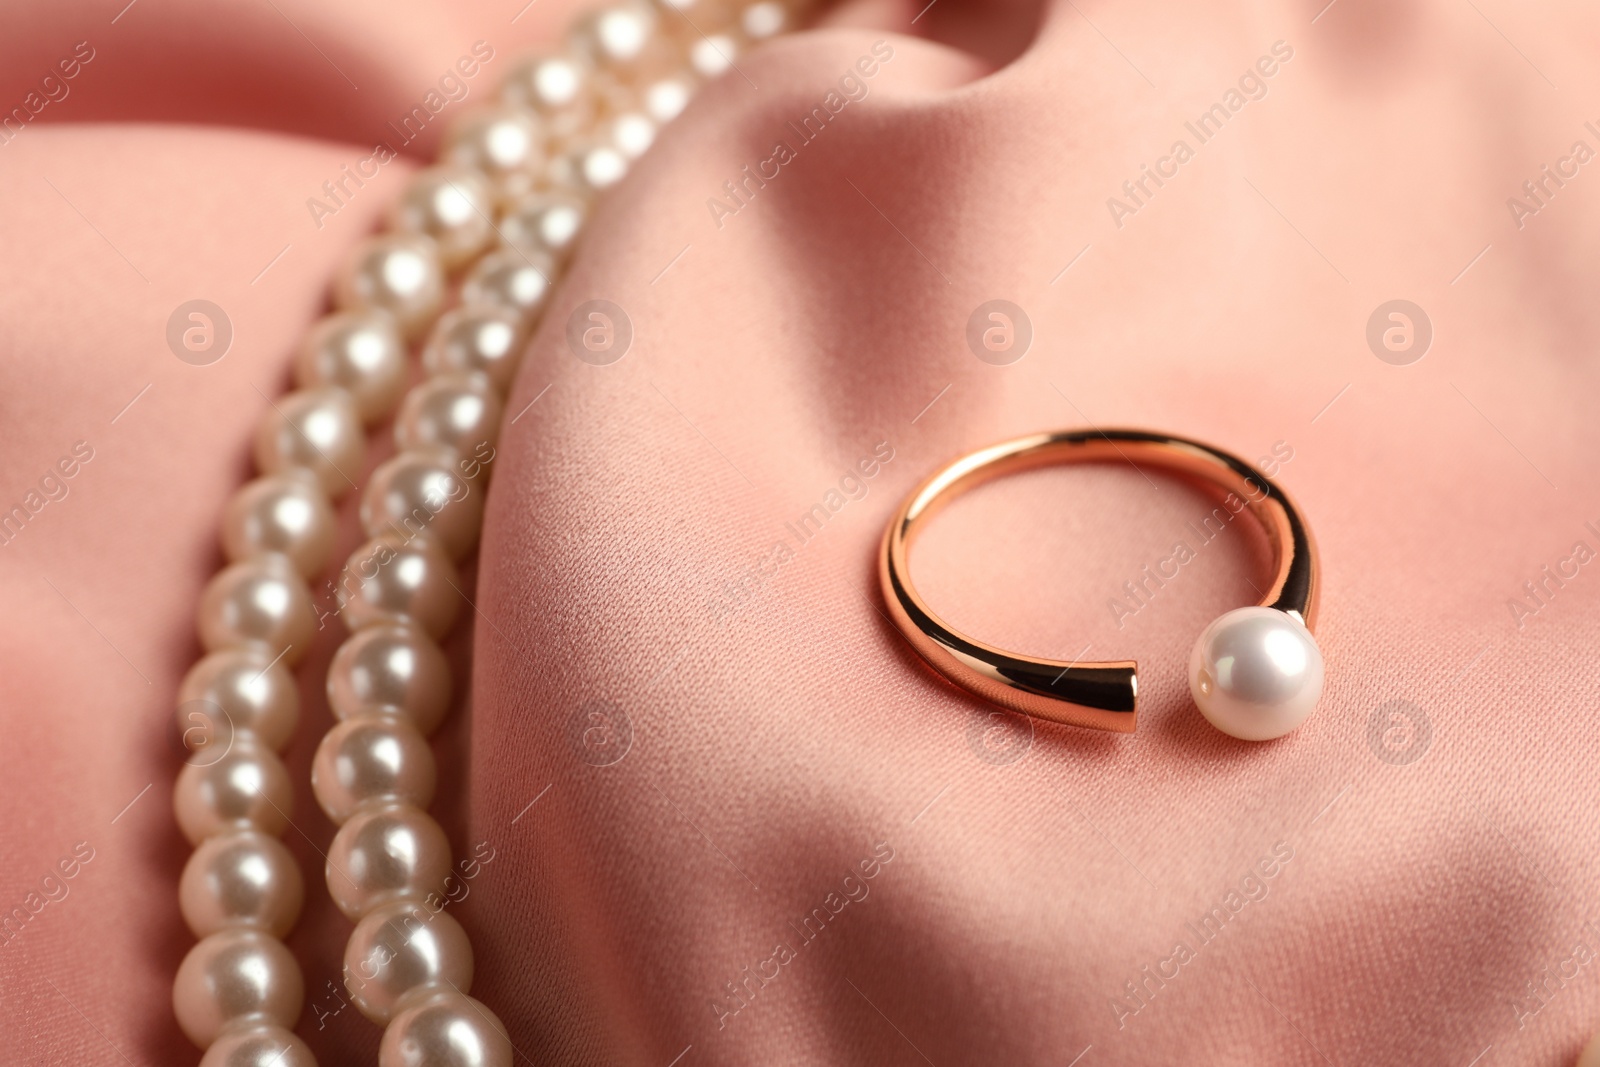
column 1101, row 695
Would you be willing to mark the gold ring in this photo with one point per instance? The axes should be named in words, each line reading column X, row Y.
column 1255, row 673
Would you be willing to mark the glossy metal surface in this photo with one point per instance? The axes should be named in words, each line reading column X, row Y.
column 1100, row 695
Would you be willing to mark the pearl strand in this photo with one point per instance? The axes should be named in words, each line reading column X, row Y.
column 568, row 126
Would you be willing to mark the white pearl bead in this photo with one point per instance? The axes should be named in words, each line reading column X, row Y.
column 1256, row 673
column 545, row 223
column 286, row 513
column 517, row 279
column 459, row 412
column 448, row 1029
column 245, row 878
column 236, row 975
column 588, row 167
column 424, row 494
column 390, row 579
column 505, row 142
column 394, row 670
column 262, row 1045
column 401, row 273
column 452, row 204
column 245, row 789
column 487, row 340
column 712, row 56
column 384, row 853
column 261, row 602
column 631, row 133
column 404, row 948
column 318, row 429
column 371, row 758
column 363, row 353
column 665, row 98
column 764, row 19
column 547, row 82
column 559, row 86
column 620, row 36
column 238, row 690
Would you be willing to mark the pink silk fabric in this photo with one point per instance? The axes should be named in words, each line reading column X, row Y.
column 811, row 850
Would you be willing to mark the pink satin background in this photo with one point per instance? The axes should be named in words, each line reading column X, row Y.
column 779, row 739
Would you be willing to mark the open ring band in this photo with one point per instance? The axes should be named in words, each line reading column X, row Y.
column 1261, row 674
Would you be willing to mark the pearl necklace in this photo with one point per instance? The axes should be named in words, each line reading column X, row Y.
column 569, row 124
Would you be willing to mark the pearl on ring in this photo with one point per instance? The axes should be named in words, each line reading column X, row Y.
column 1256, row 673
